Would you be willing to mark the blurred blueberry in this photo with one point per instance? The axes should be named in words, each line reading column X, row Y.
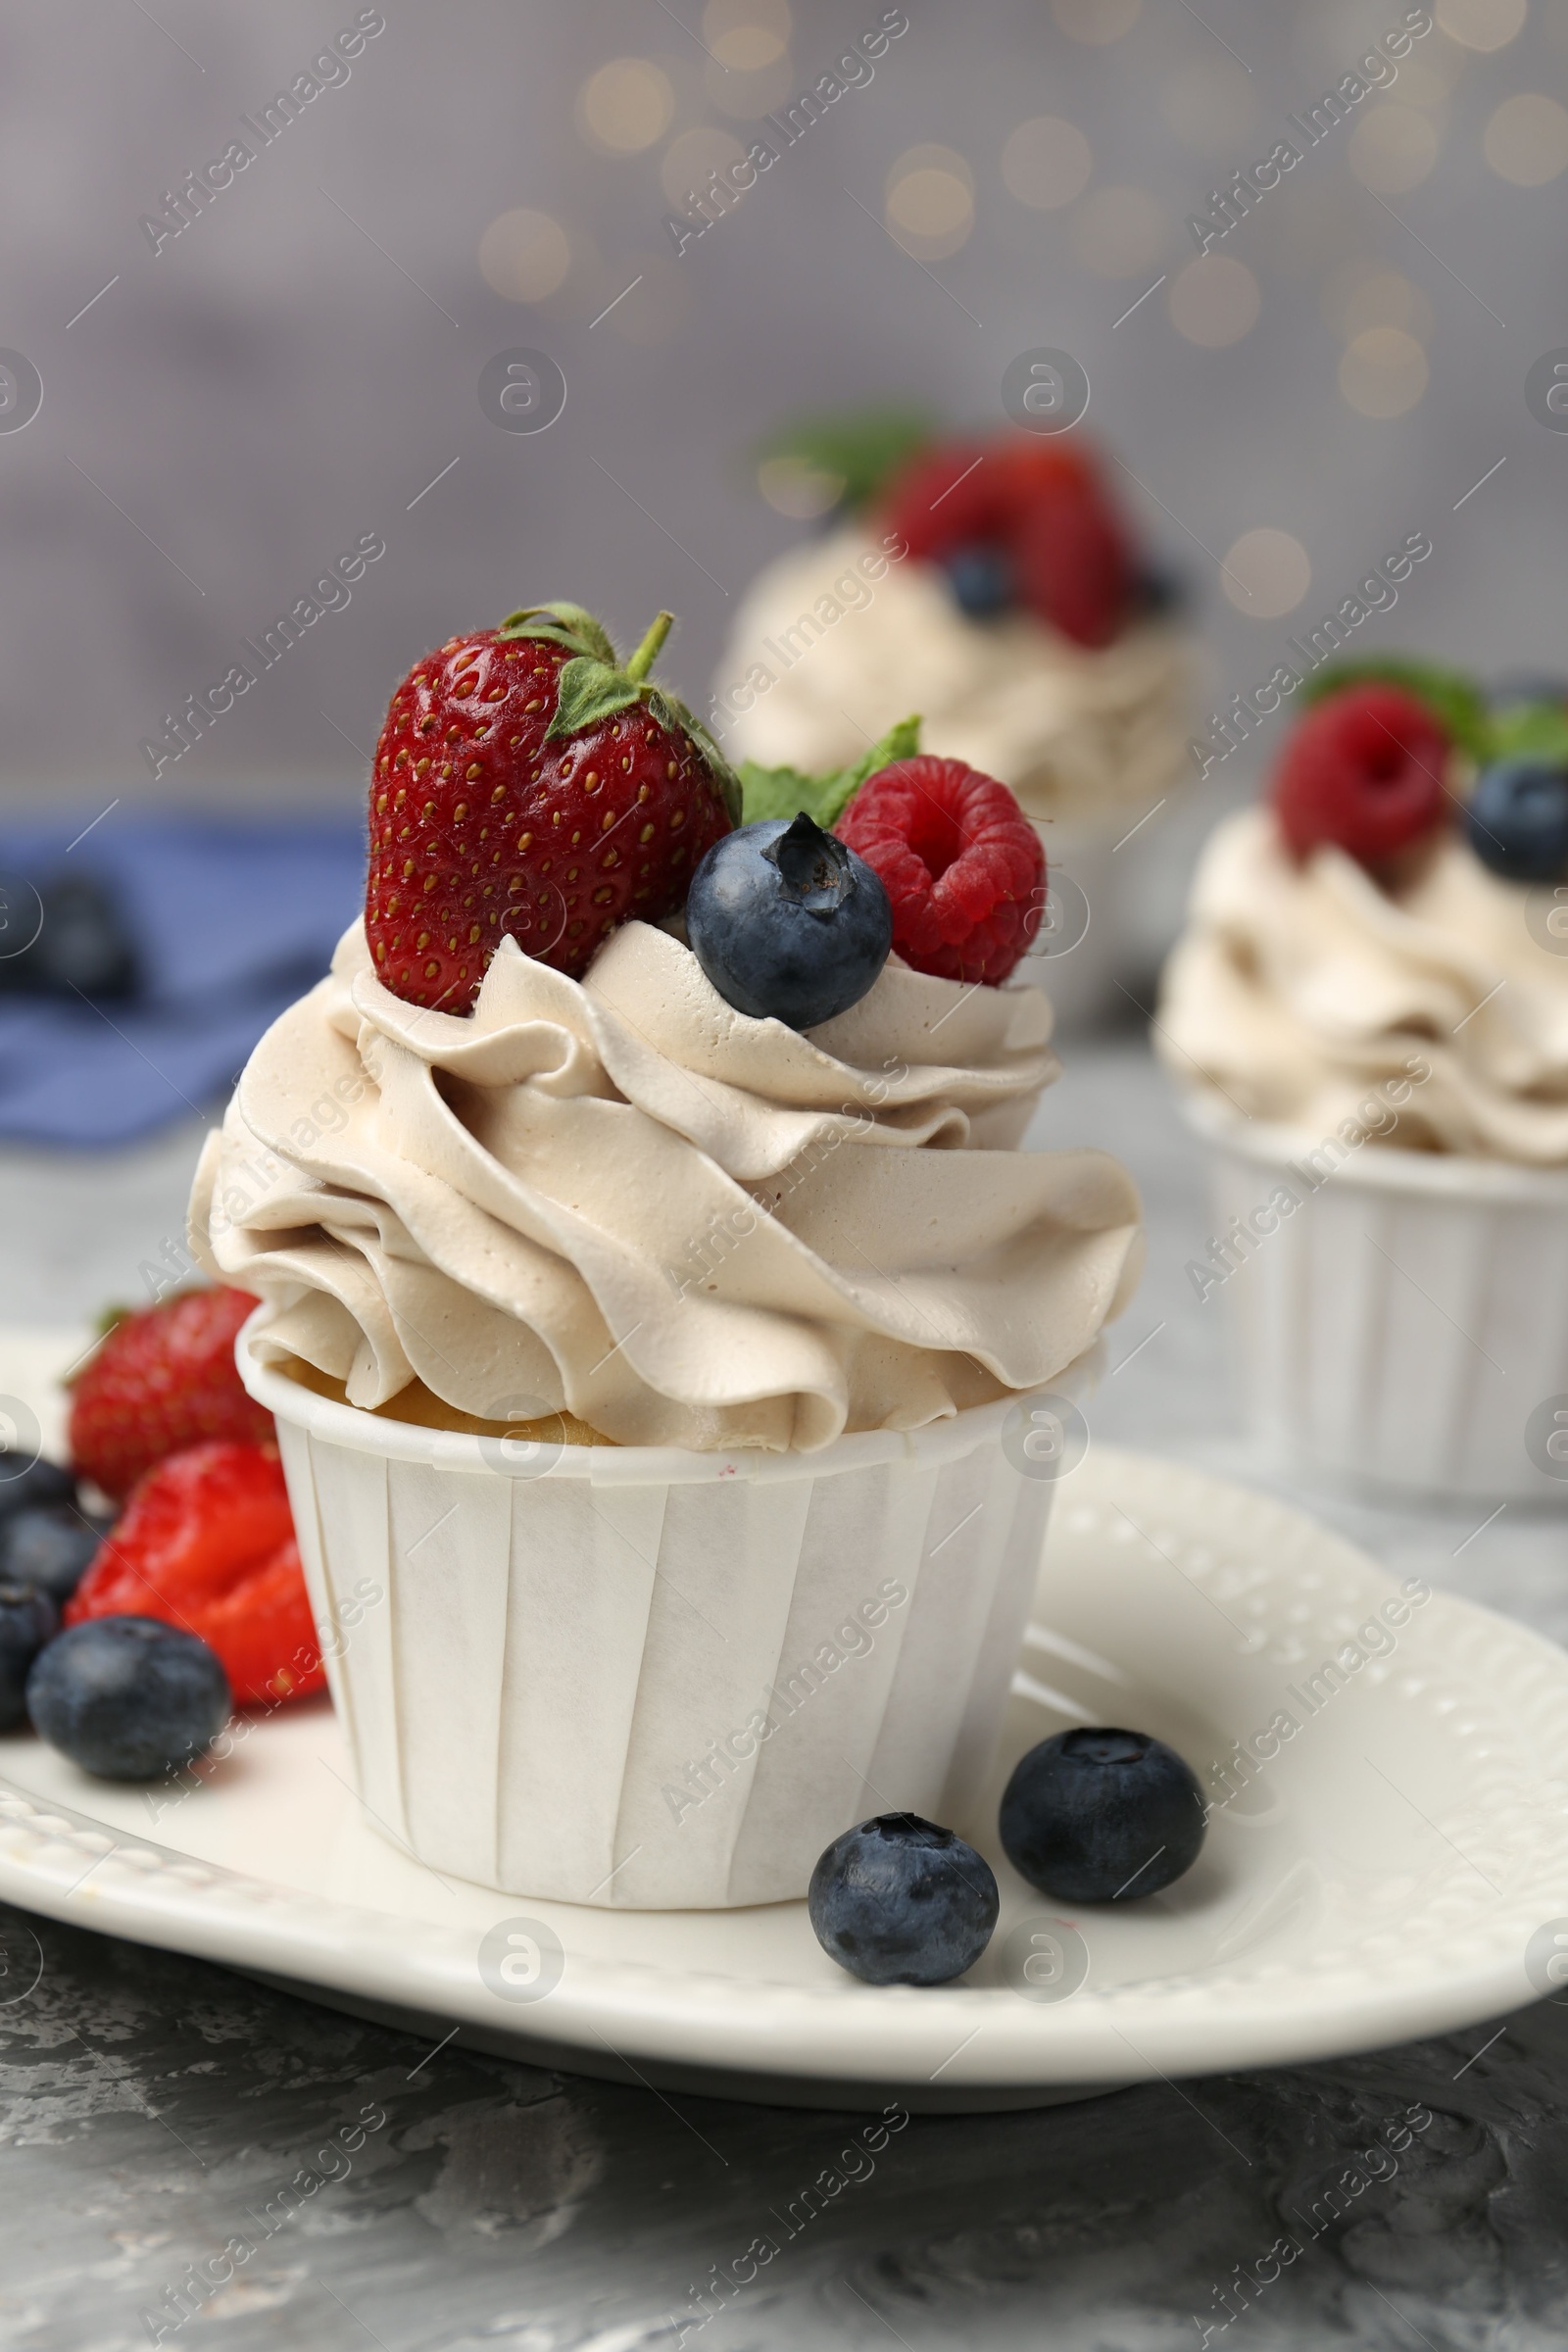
column 28, row 1619
column 981, row 579
column 1517, row 820
column 31, row 1483
column 49, row 1547
column 127, row 1698
column 1161, row 588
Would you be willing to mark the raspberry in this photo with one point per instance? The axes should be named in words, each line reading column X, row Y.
column 163, row 1379
column 1364, row 769
column 962, row 865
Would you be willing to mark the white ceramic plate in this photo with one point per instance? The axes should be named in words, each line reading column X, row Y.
column 1380, row 1876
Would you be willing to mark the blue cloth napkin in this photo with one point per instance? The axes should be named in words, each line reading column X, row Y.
column 232, row 921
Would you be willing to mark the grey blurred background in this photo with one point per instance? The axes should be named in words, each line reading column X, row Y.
column 228, row 412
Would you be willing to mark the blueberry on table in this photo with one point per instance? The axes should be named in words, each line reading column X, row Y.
column 1102, row 1816
column 25, row 1483
column 127, row 1698
column 48, row 1545
column 1517, row 820
column 28, row 1619
column 787, row 923
column 900, row 1901
column 981, row 579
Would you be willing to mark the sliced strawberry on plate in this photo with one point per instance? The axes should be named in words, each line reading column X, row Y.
column 207, row 1543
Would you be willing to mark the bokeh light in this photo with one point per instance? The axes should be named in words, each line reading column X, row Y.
column 1210, row 105
column 1095, row 20
column 1214, row 300
column 1046, row 162
column 690, row 158
column 747, row 34
column 626, row 106
column 1266, row 572
column 1482, row 23
column 1361, row 293
column 749, row 96
column 1526, row 140
column 524, row 255
column 1392, row 148
column 929, row 204
column 1384, row 371
column 1118, row 232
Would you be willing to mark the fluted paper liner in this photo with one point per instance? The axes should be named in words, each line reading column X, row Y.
column 1401, row 1324
column 557, row 1687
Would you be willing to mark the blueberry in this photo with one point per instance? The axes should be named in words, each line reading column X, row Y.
column 48, row 1546
column 81, row 946
column 1517, row 820
column 127, row 1698
column 899, row 1901
column 981, row 579
column 1095, row 1817
column 25, row 1483
column 1159, row 589
column 28, row 1620
column 788, row 923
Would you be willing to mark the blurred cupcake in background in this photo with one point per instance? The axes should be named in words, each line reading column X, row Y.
column 994, row 586
column 1368, row 1017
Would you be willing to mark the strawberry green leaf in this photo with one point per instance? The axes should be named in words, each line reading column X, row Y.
column 1531, row 731
column 570, row 625
column 587, row 692
column 785, row 792
column 860, row 449
column 1454, row 700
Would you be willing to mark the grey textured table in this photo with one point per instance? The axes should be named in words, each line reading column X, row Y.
column 152, row 2103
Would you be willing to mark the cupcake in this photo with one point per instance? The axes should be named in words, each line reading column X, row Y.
column 1368, row 1019
column 995, row 587
column 656, row 1306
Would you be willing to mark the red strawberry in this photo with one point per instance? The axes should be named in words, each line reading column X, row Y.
column 1364, row 768
column 961, row 863
column 525, row 786
column 207, row 1543
column 163, row 1379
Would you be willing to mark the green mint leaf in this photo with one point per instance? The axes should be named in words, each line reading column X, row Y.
column 1454, row 700
column 861, row 449
column 588, row 691
column 1531, row 731
column 785, row 792
column 774, row 792
column 901, row 742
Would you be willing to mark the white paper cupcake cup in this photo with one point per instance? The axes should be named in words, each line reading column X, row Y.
column 1402, row 1328
column 555, row 1667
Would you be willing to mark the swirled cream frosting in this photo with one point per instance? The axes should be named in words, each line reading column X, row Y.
column 836, row 635
column 1299, row 987
column 621, row 1198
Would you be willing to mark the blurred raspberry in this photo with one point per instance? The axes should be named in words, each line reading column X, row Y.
column 1364, row 769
